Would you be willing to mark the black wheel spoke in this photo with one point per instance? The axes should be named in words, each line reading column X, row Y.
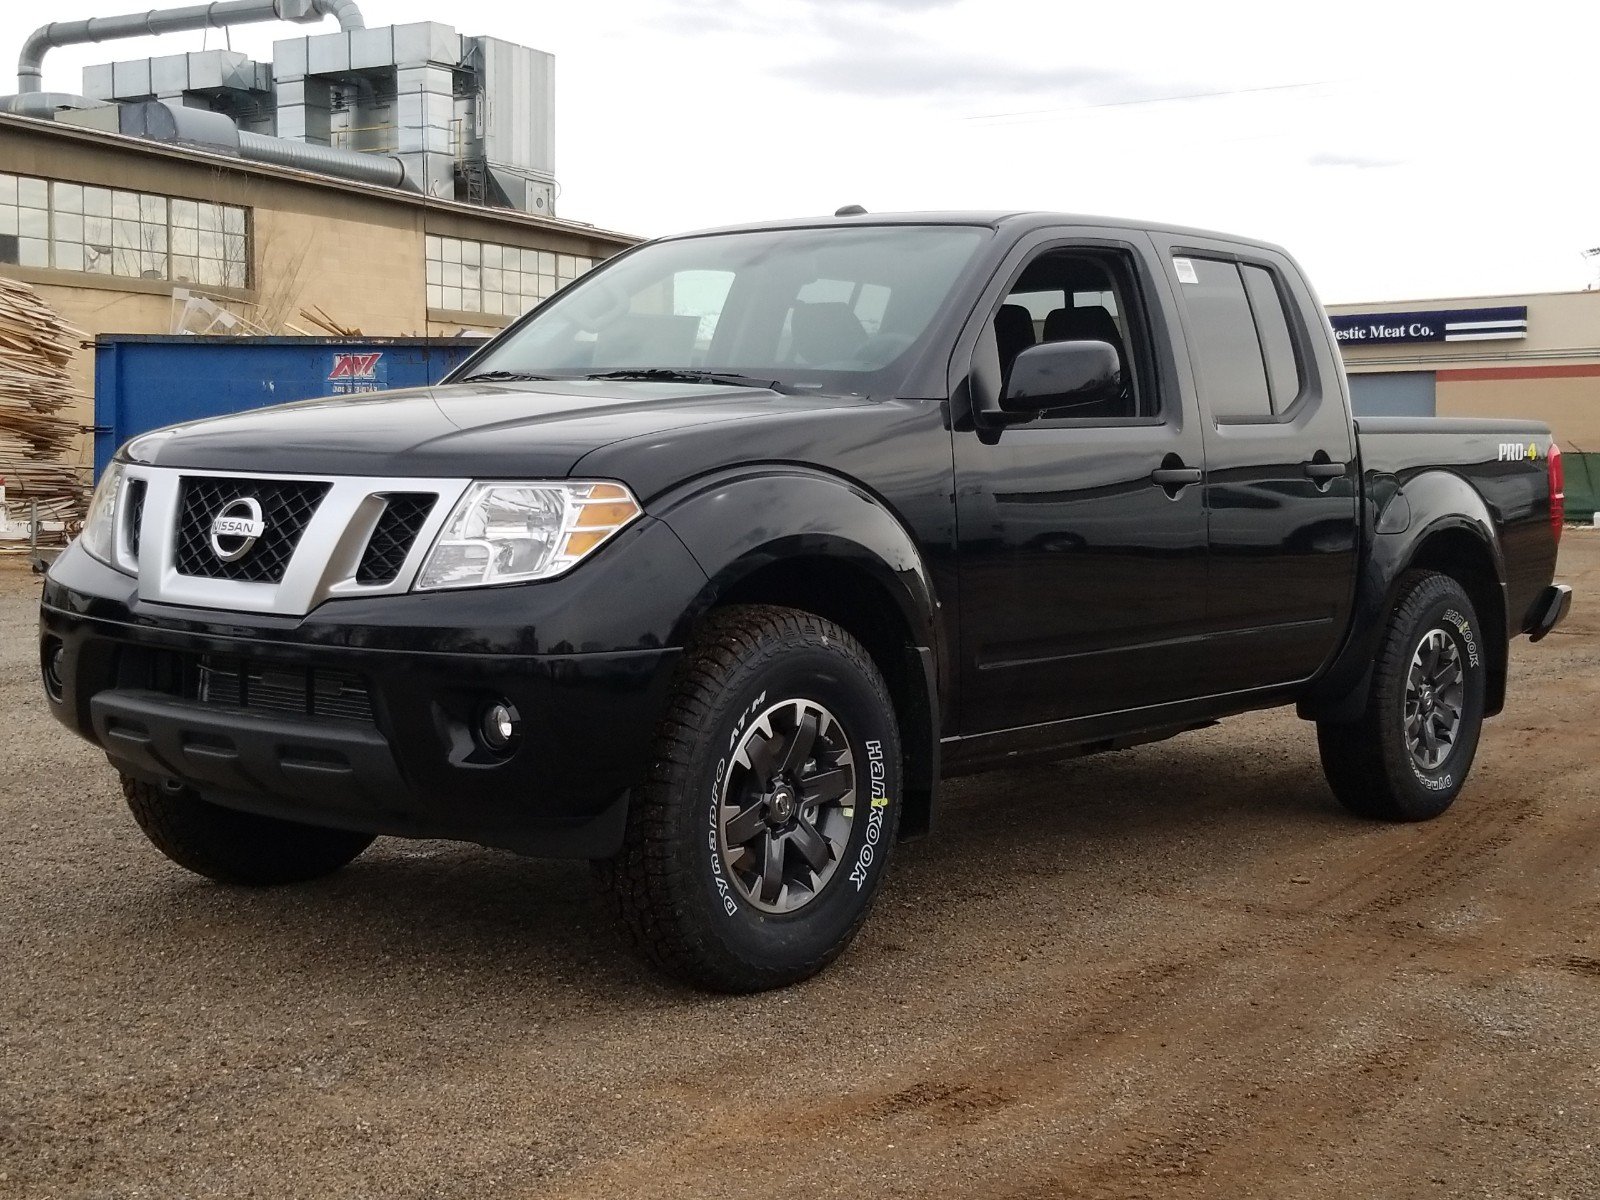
column 800, row 742
column 826, row 786
column 772, row 869
column 1447, row 675
column 746, row 825
column 811, row 844
column 762, row 754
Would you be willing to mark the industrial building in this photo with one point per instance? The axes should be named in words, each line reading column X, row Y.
column 1534, row 355
column 396, row 180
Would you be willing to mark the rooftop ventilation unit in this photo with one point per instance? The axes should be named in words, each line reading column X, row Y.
column 415, row 106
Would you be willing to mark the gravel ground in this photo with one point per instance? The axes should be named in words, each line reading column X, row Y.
column 1175, row 971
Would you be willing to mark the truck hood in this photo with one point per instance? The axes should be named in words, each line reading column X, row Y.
column 512, row 430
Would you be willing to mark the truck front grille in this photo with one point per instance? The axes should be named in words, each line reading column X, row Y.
column 403, row 516
column 253, row 685
column 287, row 507
column 290, row 691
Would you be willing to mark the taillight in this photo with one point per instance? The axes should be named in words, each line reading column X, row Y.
column 1558, row 491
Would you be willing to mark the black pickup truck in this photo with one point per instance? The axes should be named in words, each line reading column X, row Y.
column 713, row 565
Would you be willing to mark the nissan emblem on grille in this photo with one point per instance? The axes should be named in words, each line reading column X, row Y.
column 236, row 528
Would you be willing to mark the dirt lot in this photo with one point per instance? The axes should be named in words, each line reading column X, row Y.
column 1175, row 971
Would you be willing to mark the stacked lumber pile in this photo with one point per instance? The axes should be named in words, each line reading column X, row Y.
column 35, row 390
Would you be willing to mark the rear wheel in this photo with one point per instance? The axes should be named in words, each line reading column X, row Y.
column 754, row 850
column 1408, row 756
column 236, row 847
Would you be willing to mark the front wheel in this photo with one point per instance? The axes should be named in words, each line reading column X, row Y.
column 755, row 848
column 1408, row 755
column 236, row 847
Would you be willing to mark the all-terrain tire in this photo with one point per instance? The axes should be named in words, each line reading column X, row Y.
column 678, row 885
column 236, row 847
column 1371, row 763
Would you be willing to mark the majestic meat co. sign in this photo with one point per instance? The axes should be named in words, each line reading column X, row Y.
column 1445, row 325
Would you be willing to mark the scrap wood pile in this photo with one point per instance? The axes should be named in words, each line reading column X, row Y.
column 36, row 346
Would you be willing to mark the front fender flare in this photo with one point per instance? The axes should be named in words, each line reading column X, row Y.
column 736, row 523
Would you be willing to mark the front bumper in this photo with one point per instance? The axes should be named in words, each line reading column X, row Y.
column 405, row 761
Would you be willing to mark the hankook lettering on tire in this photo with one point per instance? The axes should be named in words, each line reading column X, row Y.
column 880, row 801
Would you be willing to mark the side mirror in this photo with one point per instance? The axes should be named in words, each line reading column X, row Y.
column 1062, row 375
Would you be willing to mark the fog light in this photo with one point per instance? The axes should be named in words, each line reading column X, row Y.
column 55, row 655
column 499, row 726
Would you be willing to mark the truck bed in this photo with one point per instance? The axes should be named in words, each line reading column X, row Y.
column 1505, row 462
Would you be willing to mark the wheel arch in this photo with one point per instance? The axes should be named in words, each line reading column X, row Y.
column 805, row 539
column 1463, row 554
column 1446, row 528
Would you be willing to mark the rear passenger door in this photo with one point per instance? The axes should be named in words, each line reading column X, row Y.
column 1280, row 489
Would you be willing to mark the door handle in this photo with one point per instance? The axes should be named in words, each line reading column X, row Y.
column 1325, row 470
column 1175, row 477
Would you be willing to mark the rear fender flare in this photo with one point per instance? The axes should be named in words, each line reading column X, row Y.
column 1438, row 502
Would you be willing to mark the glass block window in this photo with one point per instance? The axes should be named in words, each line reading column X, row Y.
column 129, row 235
column 469, row 276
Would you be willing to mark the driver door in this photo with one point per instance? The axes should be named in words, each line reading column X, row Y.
column 1082, row 564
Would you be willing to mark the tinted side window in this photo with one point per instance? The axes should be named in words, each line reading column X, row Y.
column 1232, row 378
column 1068, row 295
column 1277, row 346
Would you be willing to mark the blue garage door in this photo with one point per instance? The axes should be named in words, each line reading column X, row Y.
column 1393, row 394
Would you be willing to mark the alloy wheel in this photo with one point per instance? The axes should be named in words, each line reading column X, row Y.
column 1435, row 695
column 787, row 806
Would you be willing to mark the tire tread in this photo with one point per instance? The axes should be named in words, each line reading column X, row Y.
column 1361, row 759
column 235, row 847
column 644, row 882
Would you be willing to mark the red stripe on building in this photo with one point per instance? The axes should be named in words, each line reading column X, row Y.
column 1496, row 374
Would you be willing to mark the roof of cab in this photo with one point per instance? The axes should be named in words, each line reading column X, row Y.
column 1020, row 221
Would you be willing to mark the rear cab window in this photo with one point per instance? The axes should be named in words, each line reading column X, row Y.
column 1243, row 351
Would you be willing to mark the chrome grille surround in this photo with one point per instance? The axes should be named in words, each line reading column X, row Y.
column 323, row 564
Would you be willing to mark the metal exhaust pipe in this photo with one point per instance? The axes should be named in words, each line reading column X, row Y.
column 30, row 77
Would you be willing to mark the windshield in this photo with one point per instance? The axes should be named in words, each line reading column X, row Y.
column 808, row 309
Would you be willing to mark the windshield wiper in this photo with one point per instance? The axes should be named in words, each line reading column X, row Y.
column 676, row 375
column 501, row 377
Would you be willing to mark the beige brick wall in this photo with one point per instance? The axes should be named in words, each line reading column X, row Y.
column 1571, row 407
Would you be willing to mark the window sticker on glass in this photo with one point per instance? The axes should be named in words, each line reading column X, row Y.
column 1185, row 270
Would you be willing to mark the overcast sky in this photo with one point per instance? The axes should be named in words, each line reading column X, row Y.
column 1400, row 150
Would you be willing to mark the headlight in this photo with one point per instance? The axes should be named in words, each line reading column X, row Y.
column 514, row 532
column 100, row 526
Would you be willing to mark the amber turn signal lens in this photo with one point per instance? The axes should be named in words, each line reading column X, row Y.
column 579, row 544
column 604, row 516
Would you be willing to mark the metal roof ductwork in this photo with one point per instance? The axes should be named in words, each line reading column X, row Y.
column 217, row 133
column 380, row 169
column 172, row 20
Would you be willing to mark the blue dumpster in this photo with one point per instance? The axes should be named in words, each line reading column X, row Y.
column 142, row 382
